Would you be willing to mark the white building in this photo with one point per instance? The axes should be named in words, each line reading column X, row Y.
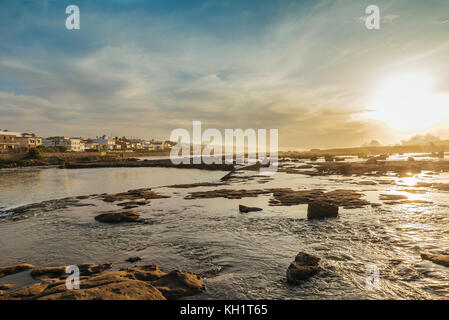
column 71, row 144
column 105, row 142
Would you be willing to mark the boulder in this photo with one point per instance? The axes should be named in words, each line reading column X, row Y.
column 246, row 209
column 5, row 271
column 118, row 217
column 371, row 161
column 321, row 209
column 133, row 259
column 304, row 267
column 441, row 259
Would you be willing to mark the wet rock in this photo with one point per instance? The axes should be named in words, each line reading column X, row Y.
column 7, row 286
column 228, row 193
column 321, row 209
column 304, row 267
column 349, row 199
column 196, row 185
column 137, row 194
column 138, row 283
column 60, row 271
column 128, row 204
column 118, row 217
column 367, row 183
column 6, row 271
column 391, row 197
column 133, row 259
column 441, row 259
column 246, row 209
column 179, row 284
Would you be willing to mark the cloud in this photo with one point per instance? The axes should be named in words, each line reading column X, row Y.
column 142, row 69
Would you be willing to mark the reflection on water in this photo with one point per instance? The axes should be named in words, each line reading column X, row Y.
column 30, row 185
column 243, row 255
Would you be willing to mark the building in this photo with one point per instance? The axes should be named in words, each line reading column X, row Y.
column 29, row 140
column 8, row 141
column 71, row 144
column 105, row 142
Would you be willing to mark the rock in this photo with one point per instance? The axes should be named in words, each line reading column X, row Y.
column 60, row 271
column 133, row 203
column 246, row 209
column 321, row 209
column 118, row 217
column 304, row 267
column 371, row 161
column 133, row 259
column 138, row 283
column 392, row 197
column 5, row 271
column 7, row 286
column 136, row 194
column 410, row 159
column 441, row 259
column 179, row 284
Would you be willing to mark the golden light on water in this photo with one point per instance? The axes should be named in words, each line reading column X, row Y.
column 407, row 102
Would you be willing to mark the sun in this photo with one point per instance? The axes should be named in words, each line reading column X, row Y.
column 407, row 102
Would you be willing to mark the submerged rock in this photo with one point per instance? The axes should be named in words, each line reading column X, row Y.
column 321, row 209
column 304, row 267
column 6, row 271
column 246, row 209
column 133, row 259
column 441, row 259
column 118, row 217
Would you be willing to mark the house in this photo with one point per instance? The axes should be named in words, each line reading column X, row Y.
column 8, row 141
column 71, row 144
column 104, row 142
column 29, row 140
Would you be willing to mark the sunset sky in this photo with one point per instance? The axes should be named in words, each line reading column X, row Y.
column 308, row 68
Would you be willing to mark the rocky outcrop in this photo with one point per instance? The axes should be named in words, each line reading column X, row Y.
column 304, row 267
column 441, row 259
column 136, row 194
column 118, row 217
column 6, row 271
column 60, row 271
column 246, row 209
column 6, row 287
column 321, row 209
column 138, row 283
column 371, row 161
column 349, row 199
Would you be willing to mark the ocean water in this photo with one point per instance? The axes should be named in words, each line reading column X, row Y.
column 240, row 256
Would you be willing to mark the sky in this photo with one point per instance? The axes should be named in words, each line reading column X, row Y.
column 310, row 69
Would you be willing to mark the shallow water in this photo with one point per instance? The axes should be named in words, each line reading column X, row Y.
column 242, row 256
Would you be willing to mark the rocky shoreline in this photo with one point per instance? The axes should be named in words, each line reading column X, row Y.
column 147, row 282
column 100, row 281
